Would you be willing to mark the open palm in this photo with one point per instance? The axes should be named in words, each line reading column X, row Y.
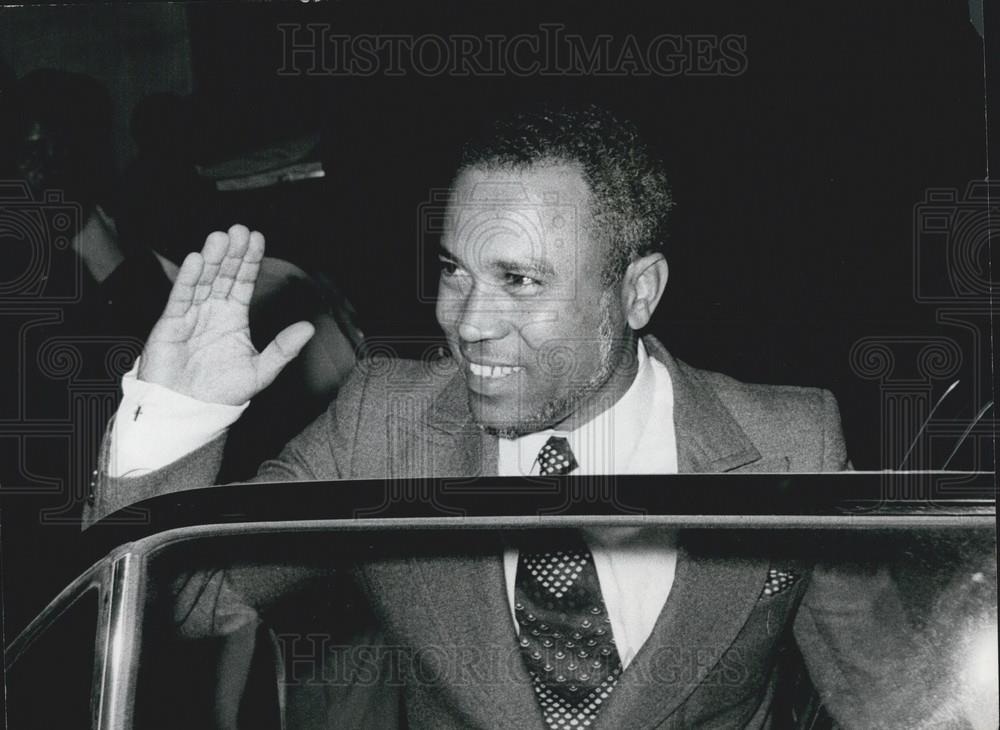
column 201, row 347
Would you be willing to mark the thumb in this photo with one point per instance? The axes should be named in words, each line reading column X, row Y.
column 282, row 350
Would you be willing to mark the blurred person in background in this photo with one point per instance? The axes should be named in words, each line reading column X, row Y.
column 57, row 128
column 131, row 230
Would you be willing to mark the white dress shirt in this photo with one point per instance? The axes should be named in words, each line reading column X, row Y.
column 155, row 426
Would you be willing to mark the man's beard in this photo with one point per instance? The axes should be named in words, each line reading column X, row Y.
column 559, row 409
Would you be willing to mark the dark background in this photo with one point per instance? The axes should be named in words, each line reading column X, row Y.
column 796, row 185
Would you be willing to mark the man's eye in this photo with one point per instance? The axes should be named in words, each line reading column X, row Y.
column 520, row 281
column 448, row 268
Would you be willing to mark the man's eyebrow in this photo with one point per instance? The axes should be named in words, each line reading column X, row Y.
column 534, row 267
column 444, row 253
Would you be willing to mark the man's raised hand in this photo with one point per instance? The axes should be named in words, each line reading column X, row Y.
column 201, row 347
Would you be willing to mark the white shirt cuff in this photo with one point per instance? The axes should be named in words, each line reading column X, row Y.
column 155, row 426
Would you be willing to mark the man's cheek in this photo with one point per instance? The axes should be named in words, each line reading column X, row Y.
column 559, row 363
column 539, row 328
column 534, row 388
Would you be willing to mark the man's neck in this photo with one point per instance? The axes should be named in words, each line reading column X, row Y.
column 610, row 392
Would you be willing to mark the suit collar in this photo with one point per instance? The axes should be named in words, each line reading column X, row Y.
column 708, row 437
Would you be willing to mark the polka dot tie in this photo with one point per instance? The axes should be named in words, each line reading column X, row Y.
column 556, row 457
column 565, row 634
column 778, row 581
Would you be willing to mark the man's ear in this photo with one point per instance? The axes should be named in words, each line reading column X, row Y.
column 643, row 285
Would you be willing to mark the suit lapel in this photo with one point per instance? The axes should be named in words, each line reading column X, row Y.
column 455, row 600
column 709, row 603
column 711, row 597
column 451, row 608
column 708, row 437
column 480, row 606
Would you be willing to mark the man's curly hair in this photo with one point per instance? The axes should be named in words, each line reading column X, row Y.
column 630, row 195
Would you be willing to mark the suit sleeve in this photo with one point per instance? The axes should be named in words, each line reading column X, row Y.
column 310, row 455
column 307, row 456
column 220, row 602
column 853, row 631
column 109, row 494
column 871, row 667
column 834, row 447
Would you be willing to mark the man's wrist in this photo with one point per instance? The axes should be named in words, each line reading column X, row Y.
column 155, row 426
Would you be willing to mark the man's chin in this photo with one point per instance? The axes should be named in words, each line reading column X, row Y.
column 496, row 423
column 511, row 427
column 505, row 428
column 509, row 432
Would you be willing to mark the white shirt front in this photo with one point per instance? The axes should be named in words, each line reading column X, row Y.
column 634, row 436
column 155, row 426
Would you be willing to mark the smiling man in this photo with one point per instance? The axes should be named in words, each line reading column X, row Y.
column 530, row 305
column 551, row 260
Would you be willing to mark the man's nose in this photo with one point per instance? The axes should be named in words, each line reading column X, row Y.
column 481, row 317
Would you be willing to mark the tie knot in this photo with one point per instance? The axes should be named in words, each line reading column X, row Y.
column 556, row 457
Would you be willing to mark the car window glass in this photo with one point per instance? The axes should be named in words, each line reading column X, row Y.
column 49, row 685
column 244, row 630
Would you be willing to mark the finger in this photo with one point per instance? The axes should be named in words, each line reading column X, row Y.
column 246, row 276
column 182, row 292
column 213, row 252
column 239, row 237
column 282, row 351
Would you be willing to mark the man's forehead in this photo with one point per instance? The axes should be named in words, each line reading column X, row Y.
column 544, row 182
column 533, row 203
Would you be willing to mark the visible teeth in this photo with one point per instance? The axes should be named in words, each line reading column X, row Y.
column 495, row 371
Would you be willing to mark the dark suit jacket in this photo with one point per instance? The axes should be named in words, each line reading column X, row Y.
column 710, row 661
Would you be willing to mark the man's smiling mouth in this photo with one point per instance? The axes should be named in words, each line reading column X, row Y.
column 493, row 371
